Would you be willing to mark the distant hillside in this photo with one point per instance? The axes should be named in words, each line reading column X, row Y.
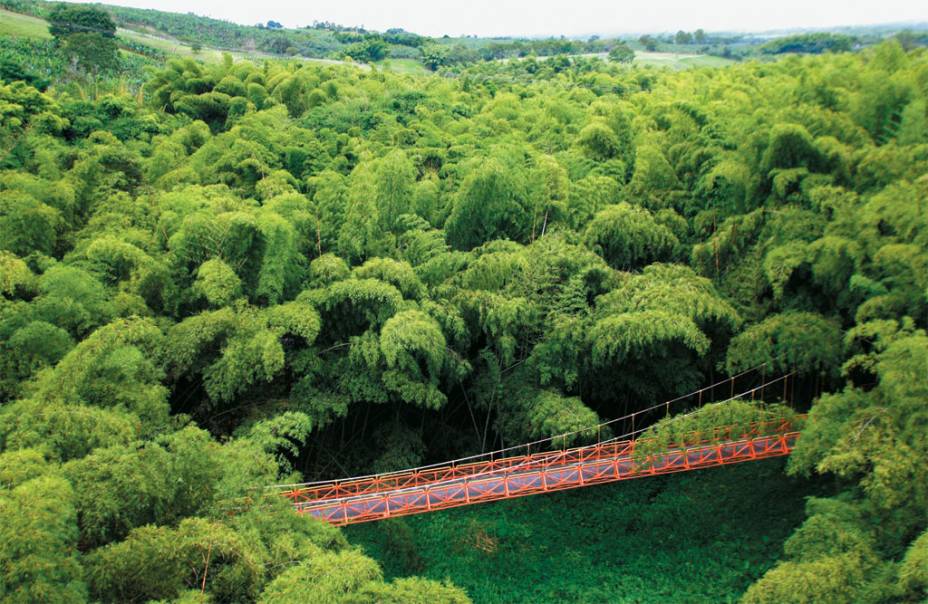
column 156, row 34
column 207, row 32
column 184, row 32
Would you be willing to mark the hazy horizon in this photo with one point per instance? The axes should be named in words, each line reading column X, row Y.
column 546, row 18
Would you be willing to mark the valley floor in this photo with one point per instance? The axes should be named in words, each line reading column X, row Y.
column 698, row 537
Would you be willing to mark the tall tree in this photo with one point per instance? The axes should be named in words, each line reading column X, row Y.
column 87, row 35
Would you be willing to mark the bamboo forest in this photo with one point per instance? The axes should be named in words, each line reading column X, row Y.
column 272, row 299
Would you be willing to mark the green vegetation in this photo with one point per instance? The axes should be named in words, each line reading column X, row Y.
column 698, row 538
column 680, row 60
column 42, row 62
column 736, row 416
column 809, row 43
column 621, row 53
column 152, row 33
column 407, row 66
column 319, row 40
column 15, row 24
column 86, row 37
column 241, row 274
column 161, row 48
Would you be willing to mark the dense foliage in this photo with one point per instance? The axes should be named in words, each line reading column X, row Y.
column 699, row 537
column 86, row 36
column 83, row 57
column 809, row 43
column 253, row 273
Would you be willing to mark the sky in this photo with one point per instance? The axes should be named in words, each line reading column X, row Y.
column 553, row 17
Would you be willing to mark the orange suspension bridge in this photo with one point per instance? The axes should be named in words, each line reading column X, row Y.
column 518, row 472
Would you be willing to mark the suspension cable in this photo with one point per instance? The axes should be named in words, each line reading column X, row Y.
column 510, row 469
column 492, row 454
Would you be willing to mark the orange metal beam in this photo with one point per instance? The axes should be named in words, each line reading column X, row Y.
column 415, row 492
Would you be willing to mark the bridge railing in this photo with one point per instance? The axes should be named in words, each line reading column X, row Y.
column 632, row 423
column 569, row 469
column 609, row 450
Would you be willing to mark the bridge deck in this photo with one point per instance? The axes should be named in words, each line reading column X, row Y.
column 415, row 492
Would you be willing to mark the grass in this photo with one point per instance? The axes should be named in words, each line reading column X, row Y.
column 176, row 48
column 696, row 537
column 405, row 66
column 677, row 60
column 23, row 26
column 170, row 47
